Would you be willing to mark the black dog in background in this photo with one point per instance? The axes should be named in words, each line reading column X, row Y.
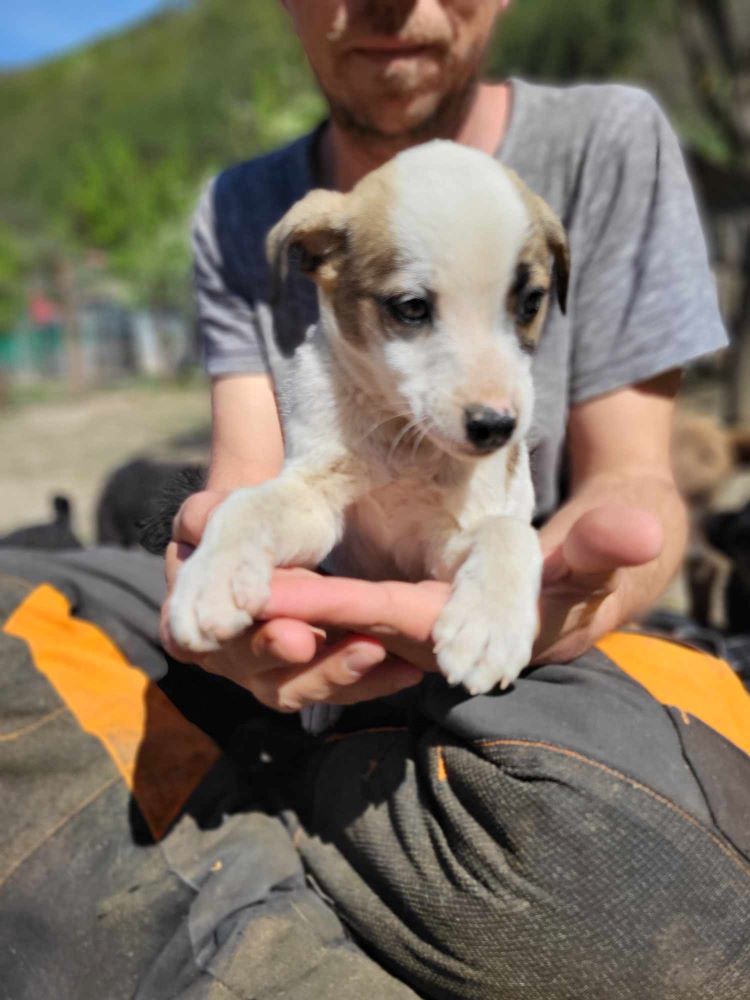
column 56, row 534
column 730, row 534
column 139, row 501
column 136, row 507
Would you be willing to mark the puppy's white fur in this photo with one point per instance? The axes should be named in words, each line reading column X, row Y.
column 379, row 475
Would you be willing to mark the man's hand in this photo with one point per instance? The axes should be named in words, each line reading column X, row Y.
column 285, row 663
column 583, row 585
column 580, row 599
column 328, row 639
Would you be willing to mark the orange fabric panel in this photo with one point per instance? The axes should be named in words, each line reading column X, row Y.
column 687, row 679
column 159, row 753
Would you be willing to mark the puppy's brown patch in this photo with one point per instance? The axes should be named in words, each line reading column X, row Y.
column 512, row 460
column 546, row 243
column 532, row 273
column 369, row 259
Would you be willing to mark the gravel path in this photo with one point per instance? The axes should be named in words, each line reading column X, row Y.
column 70, row 446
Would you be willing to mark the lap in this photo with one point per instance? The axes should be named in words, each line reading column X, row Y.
column 575, row 831
column 583, row 834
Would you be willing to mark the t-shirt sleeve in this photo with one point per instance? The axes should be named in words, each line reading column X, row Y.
column 644, row 299
column 229, row 323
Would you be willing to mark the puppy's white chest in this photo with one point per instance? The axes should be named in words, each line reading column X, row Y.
column 390, row 532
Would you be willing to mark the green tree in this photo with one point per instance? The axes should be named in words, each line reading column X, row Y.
column 14, row 264
column 575, row 40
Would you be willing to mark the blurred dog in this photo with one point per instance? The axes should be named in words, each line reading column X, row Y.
column 704, row 456
column 406, row 421
column 139, row 500
column 56, row 534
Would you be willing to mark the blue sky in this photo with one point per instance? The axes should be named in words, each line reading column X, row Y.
column 40, row 28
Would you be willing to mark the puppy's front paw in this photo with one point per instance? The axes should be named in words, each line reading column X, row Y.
column 485, row 634
column 219, row 590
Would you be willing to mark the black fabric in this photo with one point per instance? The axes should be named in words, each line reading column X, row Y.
column 91, row 908
column 121, row 592
column 567, row 839
column 522, row 870
column 723, row 771
column 82, row 904
column 593, row 708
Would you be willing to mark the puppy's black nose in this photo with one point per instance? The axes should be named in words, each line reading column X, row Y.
column 488, row 429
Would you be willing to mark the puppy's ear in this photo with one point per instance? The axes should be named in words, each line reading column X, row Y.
column 554, row 234
column 314, row 231
column 557, row 241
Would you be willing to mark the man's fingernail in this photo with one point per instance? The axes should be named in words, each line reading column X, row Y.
column 362, row 657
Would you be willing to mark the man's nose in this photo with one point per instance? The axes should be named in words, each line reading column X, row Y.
column 385, row 17
column 486, row 428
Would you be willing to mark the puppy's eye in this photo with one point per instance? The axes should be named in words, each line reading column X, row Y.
column 529, row 304
column 410, row 310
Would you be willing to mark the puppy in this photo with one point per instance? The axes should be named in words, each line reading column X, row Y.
column 406, row 410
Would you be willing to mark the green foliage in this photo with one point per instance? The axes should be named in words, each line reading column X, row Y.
column 14, row 264
column 107, row 147
column 566, row 40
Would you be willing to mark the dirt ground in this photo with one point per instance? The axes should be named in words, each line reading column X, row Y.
column 70, row 445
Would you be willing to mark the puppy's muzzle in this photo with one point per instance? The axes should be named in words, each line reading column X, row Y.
column 488, row 429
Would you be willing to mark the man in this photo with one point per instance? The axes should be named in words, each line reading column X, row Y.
column 564, row 839
column 400, row 72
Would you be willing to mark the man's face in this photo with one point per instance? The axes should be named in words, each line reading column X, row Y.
column 389, row 68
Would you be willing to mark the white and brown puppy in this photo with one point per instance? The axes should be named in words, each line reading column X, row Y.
column 405, row 412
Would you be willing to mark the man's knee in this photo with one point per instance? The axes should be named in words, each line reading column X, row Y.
column 563, row 837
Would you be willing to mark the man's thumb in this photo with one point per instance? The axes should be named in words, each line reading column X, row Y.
column 608, row 537
column 190, row 521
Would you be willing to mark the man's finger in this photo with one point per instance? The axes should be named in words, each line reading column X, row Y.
column 386, row 608
column 356, row 670
column 288, row 640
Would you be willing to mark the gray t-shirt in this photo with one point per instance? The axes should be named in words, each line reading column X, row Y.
column 642, row 299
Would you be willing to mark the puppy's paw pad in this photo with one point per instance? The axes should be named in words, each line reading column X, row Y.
column 186, row 631
column 250, row 587
column 480, row 650
column 219, row 619
column 204, row 609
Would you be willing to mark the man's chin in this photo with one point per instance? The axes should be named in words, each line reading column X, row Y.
column 402, row 116
column 390, row 118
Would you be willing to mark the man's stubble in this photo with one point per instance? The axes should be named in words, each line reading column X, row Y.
column 442, row 121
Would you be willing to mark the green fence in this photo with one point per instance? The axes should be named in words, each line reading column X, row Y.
column 32, row 350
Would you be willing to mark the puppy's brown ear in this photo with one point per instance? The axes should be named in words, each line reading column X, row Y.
column 314, row 231
column 557, row 241
column 554, row 234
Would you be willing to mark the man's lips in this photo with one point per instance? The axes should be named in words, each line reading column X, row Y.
column 395, row 50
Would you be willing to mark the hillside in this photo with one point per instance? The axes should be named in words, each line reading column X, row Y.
column 105, row 148
column 203, row 82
